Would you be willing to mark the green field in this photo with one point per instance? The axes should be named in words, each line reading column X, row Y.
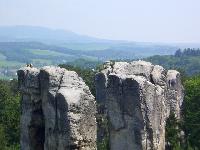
column 41, row 61
column 2, row 57
column 47, row 53
column 11, row 64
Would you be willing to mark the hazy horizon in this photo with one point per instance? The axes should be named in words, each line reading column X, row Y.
column 172, row 21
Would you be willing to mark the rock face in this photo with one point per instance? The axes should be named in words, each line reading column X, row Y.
column 138, row 97
column 58, row 110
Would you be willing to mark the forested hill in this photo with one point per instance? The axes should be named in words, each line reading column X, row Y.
column 187, row 60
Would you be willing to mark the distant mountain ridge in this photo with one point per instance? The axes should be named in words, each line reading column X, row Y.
column 25, row 33
column 43, row 34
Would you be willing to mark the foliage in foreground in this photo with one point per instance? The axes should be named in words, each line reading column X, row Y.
column 192, row 111
column 9, row 115
column 172, row 133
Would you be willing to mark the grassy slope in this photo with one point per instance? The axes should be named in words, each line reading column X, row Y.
column 2, row 57
column 12, row 64
column 47, row 53
column 5, row 63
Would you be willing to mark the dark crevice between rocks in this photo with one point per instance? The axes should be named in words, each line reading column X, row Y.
column 121, row 103
column 151, row 79
column 149, row 130
column 74, row 147
column 102, row 126
column 101, row 115
column 56, row 129
column 37, row 127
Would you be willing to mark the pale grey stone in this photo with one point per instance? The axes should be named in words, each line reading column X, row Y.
column 58, row 110
column 138, row 97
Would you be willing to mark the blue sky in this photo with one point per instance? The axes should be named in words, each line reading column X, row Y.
column 134, row 20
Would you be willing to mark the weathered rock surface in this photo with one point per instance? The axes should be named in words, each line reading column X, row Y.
column 58, row 110
column 138, row 97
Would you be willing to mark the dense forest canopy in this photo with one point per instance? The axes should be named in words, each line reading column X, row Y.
column 187, row 52
column 191, row 114
column 187, row 60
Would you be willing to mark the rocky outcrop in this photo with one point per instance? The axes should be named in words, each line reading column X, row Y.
column 58, row 110
column 138, row 98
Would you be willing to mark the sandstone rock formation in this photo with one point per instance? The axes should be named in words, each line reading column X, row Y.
column 138, row 97
column 58, row 110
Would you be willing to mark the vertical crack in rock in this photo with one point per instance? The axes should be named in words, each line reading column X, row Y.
column 138, row 98
column 56, row 129
column 36, row 127
column 63, row 110
column 32, row 118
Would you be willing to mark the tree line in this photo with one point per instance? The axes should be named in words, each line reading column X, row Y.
column 187, row 52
